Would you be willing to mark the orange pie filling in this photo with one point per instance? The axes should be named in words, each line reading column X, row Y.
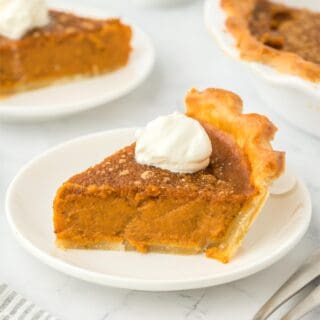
column 145, row 206
column 121, row 204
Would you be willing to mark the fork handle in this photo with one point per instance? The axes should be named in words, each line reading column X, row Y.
column 303, row 276
column 306, row 305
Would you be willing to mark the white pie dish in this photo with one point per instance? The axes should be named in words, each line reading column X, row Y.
column 294, row 98
column 64, row 99
column 29, row 213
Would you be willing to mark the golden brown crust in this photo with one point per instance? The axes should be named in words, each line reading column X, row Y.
column 237, row 23
column 252, row 133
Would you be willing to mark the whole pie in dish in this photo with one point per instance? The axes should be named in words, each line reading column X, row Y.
column 283, row 37
column 121, row 204
column 68, row 47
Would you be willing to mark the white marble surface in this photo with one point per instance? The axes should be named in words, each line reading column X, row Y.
column 186, row 56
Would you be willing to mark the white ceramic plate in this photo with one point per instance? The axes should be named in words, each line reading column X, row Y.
column 280, row 226
column 65, row 99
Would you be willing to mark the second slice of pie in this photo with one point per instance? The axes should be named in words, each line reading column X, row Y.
column 69, row 47
column 122, row 204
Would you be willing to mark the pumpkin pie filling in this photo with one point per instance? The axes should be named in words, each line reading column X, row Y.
column 288, row 29
column 147, row 206
column 121, row 204
column 68, row 47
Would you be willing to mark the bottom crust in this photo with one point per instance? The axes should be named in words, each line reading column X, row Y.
column 103, row 245
column 119, row 246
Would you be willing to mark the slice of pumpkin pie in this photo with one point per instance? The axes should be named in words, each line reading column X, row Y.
column 64, row 48
column 191, row 183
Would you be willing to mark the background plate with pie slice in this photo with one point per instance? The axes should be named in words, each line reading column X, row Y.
column 281, row 224
column 75, row 96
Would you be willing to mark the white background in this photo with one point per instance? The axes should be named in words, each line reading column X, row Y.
column 186, row 57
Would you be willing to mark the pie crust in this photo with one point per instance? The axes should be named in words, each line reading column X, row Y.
column 120, row 204
column 240, row 12
column 252, row 133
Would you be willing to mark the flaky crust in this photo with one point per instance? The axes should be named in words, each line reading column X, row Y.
column 237, row 12
column 253, row 133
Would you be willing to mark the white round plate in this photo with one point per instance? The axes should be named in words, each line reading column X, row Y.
column 279, row 227
column 75, row 96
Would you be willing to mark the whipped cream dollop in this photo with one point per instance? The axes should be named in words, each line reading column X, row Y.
column 17, row 17
column 175, row 142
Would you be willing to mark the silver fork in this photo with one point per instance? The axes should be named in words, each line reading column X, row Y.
column 306, row 274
